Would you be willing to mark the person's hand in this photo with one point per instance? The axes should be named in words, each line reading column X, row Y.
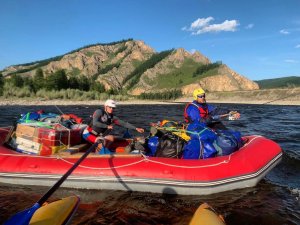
column 99, row 140
column 110, row 127
column 155, row 124
column 140, row 130
column 237, row 116
column 234, row 115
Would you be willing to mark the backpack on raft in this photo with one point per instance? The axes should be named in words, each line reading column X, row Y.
column 169, row 146
column 228, row 141
column 167, row 136
column 40, row 115
column 201, row 144
column 206, row 143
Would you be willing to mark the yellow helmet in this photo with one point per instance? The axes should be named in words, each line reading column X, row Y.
column 197, row 92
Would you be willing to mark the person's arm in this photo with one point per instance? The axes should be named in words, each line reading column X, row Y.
column 125, row 124
column 217, row 114
column 97, row 114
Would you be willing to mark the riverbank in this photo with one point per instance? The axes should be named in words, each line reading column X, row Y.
column 268, row 96
column 4, row 102
column 280, row 96
column 139, row 102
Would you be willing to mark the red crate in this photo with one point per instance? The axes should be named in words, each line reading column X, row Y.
column 4, row 131
column 52, row 137
column 75, row 136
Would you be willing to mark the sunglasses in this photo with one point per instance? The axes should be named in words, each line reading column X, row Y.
column 201, row 96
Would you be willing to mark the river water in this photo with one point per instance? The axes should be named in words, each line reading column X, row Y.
column 274, row 201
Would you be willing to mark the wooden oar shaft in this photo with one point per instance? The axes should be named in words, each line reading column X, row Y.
column 65, row 176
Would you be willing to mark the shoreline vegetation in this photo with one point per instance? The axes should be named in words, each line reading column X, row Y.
column 283, row 96
column 23, row 102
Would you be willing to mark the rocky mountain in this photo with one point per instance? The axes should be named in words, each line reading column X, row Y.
column 133, row 66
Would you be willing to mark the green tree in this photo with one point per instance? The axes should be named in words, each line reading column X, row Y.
column 1, row 83
column 167, row 95
column 96, row 86
column 84, row 83
column 1, row 80
column 17, row 80
column 112, row 91
column 134, row 76
column 204, row 68
column 73, row 83
column 57, row 81
column 38, row 79
column 28, row 82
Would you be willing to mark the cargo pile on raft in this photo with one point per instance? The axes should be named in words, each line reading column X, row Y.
column 45, row 134
column 175, row 158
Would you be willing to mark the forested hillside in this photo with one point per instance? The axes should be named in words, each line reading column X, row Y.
column 284, row 82
column 123, row 69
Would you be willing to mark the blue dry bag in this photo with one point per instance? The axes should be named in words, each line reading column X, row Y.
column 228, row 141
column 152, row 145
column 104, row 151
column 201, row 144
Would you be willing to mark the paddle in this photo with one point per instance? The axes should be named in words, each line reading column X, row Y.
column 206, row 215
column 23, row 218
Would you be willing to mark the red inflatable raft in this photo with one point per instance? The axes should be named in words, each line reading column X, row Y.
column 135, row 172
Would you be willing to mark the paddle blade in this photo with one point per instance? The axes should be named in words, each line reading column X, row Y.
column 24, row 217
column 206, row 215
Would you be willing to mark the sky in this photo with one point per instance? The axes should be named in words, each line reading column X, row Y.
column 259, row 39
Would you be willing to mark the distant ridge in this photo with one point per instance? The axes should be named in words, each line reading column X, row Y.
column 284, row 82
column 43, row 62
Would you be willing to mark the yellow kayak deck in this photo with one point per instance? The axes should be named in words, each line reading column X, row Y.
column 56, row 213
column 206, row 215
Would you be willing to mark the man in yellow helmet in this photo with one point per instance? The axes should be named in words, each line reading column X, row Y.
column 206, row 114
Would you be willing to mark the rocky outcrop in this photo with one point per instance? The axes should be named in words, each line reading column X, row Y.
column 198, row 57
column 166, row 66
column 90, row 60
column 136, row 52
column 225, row 80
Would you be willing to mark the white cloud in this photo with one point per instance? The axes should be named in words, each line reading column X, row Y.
column 184, row 28
column 201, row 22
column 291, row 61
column 227, row 25
column 249, row 26
column 297, row 46
column 283, row 31
column 202, row 25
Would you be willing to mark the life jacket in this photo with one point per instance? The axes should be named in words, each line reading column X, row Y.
column 105, row 118
column 73, row 117
column 203, row 111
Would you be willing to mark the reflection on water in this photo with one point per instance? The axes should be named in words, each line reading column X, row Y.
column 275, row 200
